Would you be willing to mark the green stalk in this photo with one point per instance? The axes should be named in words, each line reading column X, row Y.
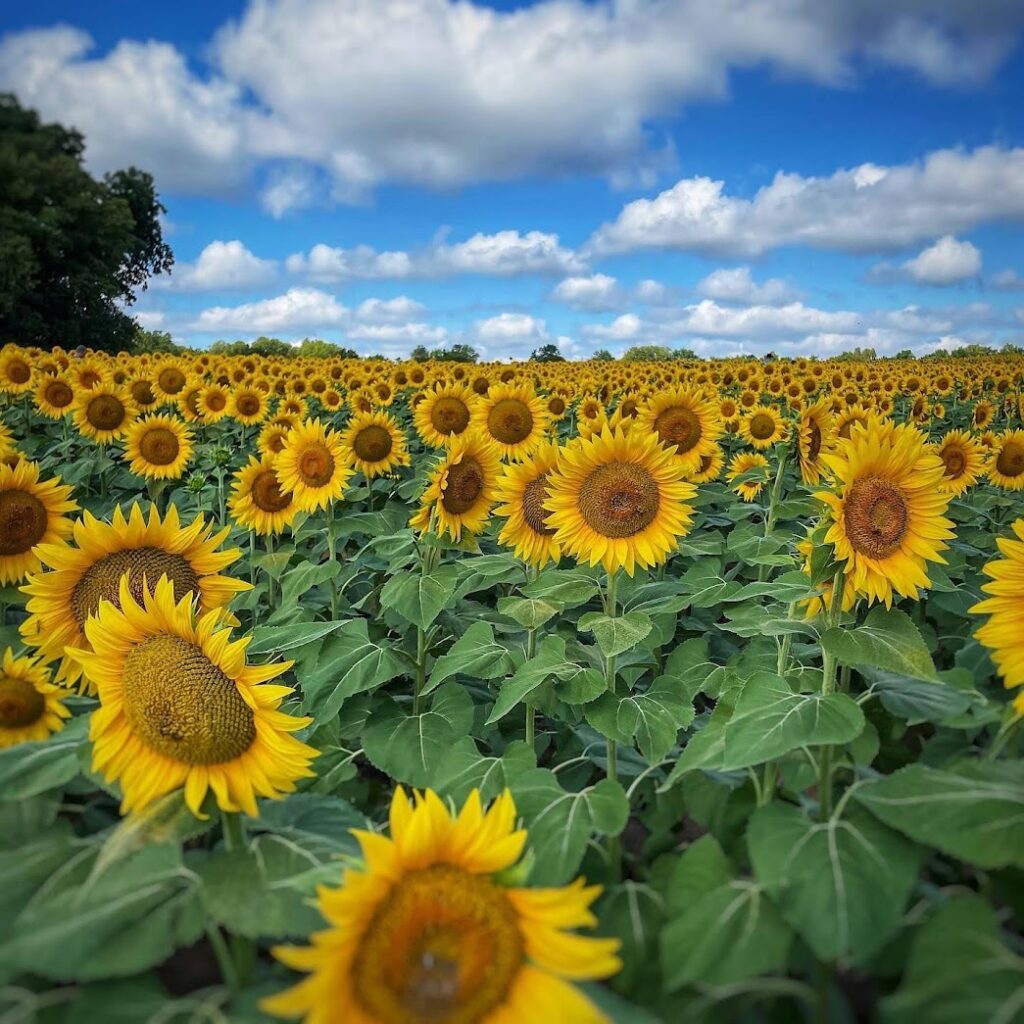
column 531, row 649
column 773, row 501
column 421, row 668
column 828, row 686
column 332, row 555
column 243, row 953
column 614, row 843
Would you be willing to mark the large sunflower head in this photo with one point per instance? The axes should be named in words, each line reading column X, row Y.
column 428, row 929
column 180, row 708
column 1006, row 462
column 54, row 396
column 513, row 417
column 257, row 501
column 248, row 405
column 522, row 491
column 31, row 512
column 963, row 461
column 620, row 500
column 748, row 472
column 375, row 443
column 104, row 412
column 80, row 576
column 169, row 379
column 887, row 510
column 462, row 488
column 158, row 447
column 762, row 427
column 312, row 465
column 816, row 437
column 274, row 433
column 685, row 422
column 31, row 707
column 444, row 412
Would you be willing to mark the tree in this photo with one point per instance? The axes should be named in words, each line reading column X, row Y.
column 646, row 354
column 860, row 355
column 602, row 355
column 153, row 342
column 684, row 353
column 420, row 353
column 972, row 351
column 73, row 250
column 904, row 353
column 459, row 353
column 319, row 348
column 547, row 354
column 264, row 346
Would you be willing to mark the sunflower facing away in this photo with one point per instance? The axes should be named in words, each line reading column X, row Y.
column 762, row 427
column 709, row 469
column 375, row 443
column 31, row 513
column 158, row 447
column 31, row 707
column 104, row 413
column 619, row 500
column 1003, row 634
column 685, row 422
column 312, row 465
column 513, row 417
column 179, row 706
column 816, row 435
column 257, row 501
column 963, row 460
column 522, row 493
column 1006, row 463
column 751, row 470
column 81, row 575
column 444, row 413
column 888, row 510
column 425, row 929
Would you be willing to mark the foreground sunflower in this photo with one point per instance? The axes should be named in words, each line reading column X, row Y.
column 444, row 412
column 257, row 501
column 752, row 467
column 815, row 435
column 1003, row 634
column 179, row 706
column 426, row 929
column 158, row 447
column 104, row 413
column 762, row 427
column 88, row 572
column 312, row 465
column 963, row 460
column 31, row 707
column 31, row 513
column 685, row 422
column 620, row 500
column 1006, row 463
column 375, row 443
column 887, row 510
column 522, row 491
column 513, row 417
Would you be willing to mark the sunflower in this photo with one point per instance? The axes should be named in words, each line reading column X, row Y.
column 984, row 413
column 752, row 467
column 762, row 427
column 816, row 435
column 158, row 447
column 427, row 928
column 1006, row 463
column 444, row 413
column 54, row 396
column 710, row 467
column 850, row 417
column 31, row 707
column 104, row 413
column 257, row 501
column 685, row 422
column 963, row 460
column 375, row 443
column 7, row 446
column 513, row 417
column 248, row 406
column 213, row 403
column 273, row 435
column 619, row 499
column 60, row 601
column 179, row 706
column 15, row 372
column 462, row 488
column 1005, row 627
column 522, row 490
column 312, row 465
column 887, row 510
column 31, row 513
column 169, row 379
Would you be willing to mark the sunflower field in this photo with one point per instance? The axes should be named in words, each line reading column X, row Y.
column 362, row 692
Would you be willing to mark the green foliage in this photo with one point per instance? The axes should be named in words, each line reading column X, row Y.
column 646, row 354
column 548, row 353
column 458, row 353
column 153, row 342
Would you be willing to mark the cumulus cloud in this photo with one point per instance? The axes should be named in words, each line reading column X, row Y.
column 399, row 310
column 1008, row 281
column 221, row 266
column 297, row 310
column 596, row 293
column 947, row 262
column 734, row 284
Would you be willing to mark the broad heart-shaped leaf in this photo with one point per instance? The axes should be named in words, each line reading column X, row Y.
column 842, row 883
column 420, row 597
column 704, row 584
column 550, row 660
column 634, row 913
column 348, row 663
column 275, row 639
column 304, row 577
column 464, row 769
column 30, row 768
column 475, row 653
column 973, row 810
column 706, row 747
column 917, row 700
column 567, row 587
column 529, row 612
column 653, row 717
column 691, row 665
column 960, row 969
column 887, row 640
column 560, row 822
column 770, row 720
column 616, row 634
column 410, row 748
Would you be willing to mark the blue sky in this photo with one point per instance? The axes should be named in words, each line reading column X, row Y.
column 802, row 176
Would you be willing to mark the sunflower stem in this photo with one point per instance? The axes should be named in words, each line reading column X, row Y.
column 225, row 961
column 243, row 953
column 773, row 506
column 614, row 844
column 421, row 669
column 270, row 575
column 828, row 686
column 532, row 572
column 369, row 493
column 332, row 555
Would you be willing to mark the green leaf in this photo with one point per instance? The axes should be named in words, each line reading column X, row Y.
column 616, row 634
column 476, row 653
column 420, row 597
column 550, row 660
column 529, row 612
column 634, row 913
column 917, row 700
column 887, row 640
column 770, row 720
column 842, row 883
column 567, row 587
column 30, row 768
column 274, row 639
column 973, row 811
column 464, row 769
column 706, row 747
column 304, row 577
column 691, row 665
column 654, row 717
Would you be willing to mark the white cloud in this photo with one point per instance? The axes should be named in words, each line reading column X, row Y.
column 1008, row 281
column 734, row 284
column 400, row 310
column 596, row 293
column 149, row 319
column 289, row 188
column 863, row 209
column 404, row 336
column 221, row 266
column 947, row 262
column 299, row 309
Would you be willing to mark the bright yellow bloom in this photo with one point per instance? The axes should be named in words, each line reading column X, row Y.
column 31, row 707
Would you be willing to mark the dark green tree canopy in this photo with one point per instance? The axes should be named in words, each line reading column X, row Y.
column 73, row 250
column 547, row 354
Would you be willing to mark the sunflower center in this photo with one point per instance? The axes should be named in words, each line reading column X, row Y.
column 159, row 446
column 22, row 522
column 89, row 379
column 510, row 421
column 955, row 462
column 443, row 948
column 679, row 427
column 58, row 394
column 171, row 380
column 142, row 392
column 102, row 580
column 556, row 405
column 464, row 485
column 619, row 499
column 449, row 416
column 1010, row 461
column 247, row 405
column 105, row 412
column 876, row 515
column 182, row 705
column 372, row 444
column 316, row 465
column 18, row 372
column 266, row 492
column 216, row 401
column 534, row 512
column 20, row 703
column 813, row 441
column 762, row 426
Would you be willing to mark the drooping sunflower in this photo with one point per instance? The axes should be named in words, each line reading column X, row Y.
column 428, row 930
column 375, row 443
column 104, row 413
column 620, row 500
column 521, row 489
column 179, row 706
column 312, row 465
column 15, row 372
column 752, row 467
column 685, row 422
column 54, row 396
column 710, row 467
column 1005, row 607
column 62, row 599
column 273, row 435
column 514, row 417
column 31, row 512
column 258, row 502
column 158, row 447
column 31, row 707
column 816, row 435
column 444, row 412
column 762, row 427
column 1006, row 463
column 887, row 510
column 963, row 460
